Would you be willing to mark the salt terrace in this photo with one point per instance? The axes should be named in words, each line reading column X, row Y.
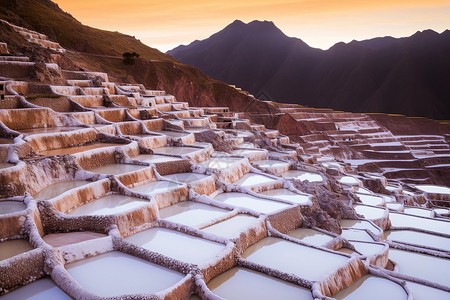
column 113, row 190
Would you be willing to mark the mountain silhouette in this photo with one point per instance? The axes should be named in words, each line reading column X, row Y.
column 407, row 76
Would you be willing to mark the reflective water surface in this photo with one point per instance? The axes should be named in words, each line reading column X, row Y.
column 7, row 207
column 370, row 287
column 240, row 283
column 230, row 227
column 310, row 236
column 303, row 261
column 116, row 273
column 41, row 289
column 107, row 205
column 57, row 189
column 169, row 242
column 191, row 213
column 13, row 247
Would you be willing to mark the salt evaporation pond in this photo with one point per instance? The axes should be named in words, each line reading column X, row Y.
column 220, row 162
column 302, row 176
column 12, row 248
column 67, row 238
column 362, row 190
column 370, row 287
column 173, row 133
column 156, row 187
column 287, row 195
column 108, row 205
column 176, row 150
column 434, row 269
column 4, row 165
column 42, row 289
column 7, row 207
column 332, row 165
column 370, row 199
column 289, row 257
column 368, row 249
column 402, row 220
column 74, row 150
column 391, row 188
column 230, row 227
column 310, row 236
column 186, row 177
column 360, row 224
column 369, row 212
column 251, row 179
column 191, row 213
column 441, row 211
column 349, row 180
column 395, row 206
column 408, row 193
column 249, row 152
column 54, row 129
column 196, row 129
column 270, row 163
column 433, row 189
column 424, row 292
column 169, row 242
column 115, row 169
column 142, row 135
column 248, row 201
column 57, row 189
column 116, row 273
column 418, row 238
column 97, row 125
column 418, row 212
column 240, row 283
column 347, row 251
column 389, row 199
column 357, row 235
column 251, row 146
column 154, row 158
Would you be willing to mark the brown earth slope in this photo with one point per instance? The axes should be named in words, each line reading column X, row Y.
column 99, row 50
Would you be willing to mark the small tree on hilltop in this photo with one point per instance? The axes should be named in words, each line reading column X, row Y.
column 129, row 58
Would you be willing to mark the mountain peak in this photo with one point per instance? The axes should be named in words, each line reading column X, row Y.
column 253, row 25
column 425, row 36
column 264, row 23
column 427, row 31
column 236, row 23
column 254, row 28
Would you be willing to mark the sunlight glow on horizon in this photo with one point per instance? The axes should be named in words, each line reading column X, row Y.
column 320, row 23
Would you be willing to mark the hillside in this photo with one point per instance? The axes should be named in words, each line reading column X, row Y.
column 407, row 75
column 100, row 50
column 45, row 16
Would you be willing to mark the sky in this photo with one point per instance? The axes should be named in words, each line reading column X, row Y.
column 165, row 24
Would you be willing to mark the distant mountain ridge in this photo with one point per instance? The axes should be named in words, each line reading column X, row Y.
column 393, row 75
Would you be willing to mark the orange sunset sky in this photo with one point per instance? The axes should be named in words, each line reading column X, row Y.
column 164, row 24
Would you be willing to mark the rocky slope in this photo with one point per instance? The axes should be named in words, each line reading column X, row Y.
column 406, row 75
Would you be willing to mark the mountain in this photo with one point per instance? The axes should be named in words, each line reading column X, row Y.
column 100, row 50
column 393, row 75
column 46, row 16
